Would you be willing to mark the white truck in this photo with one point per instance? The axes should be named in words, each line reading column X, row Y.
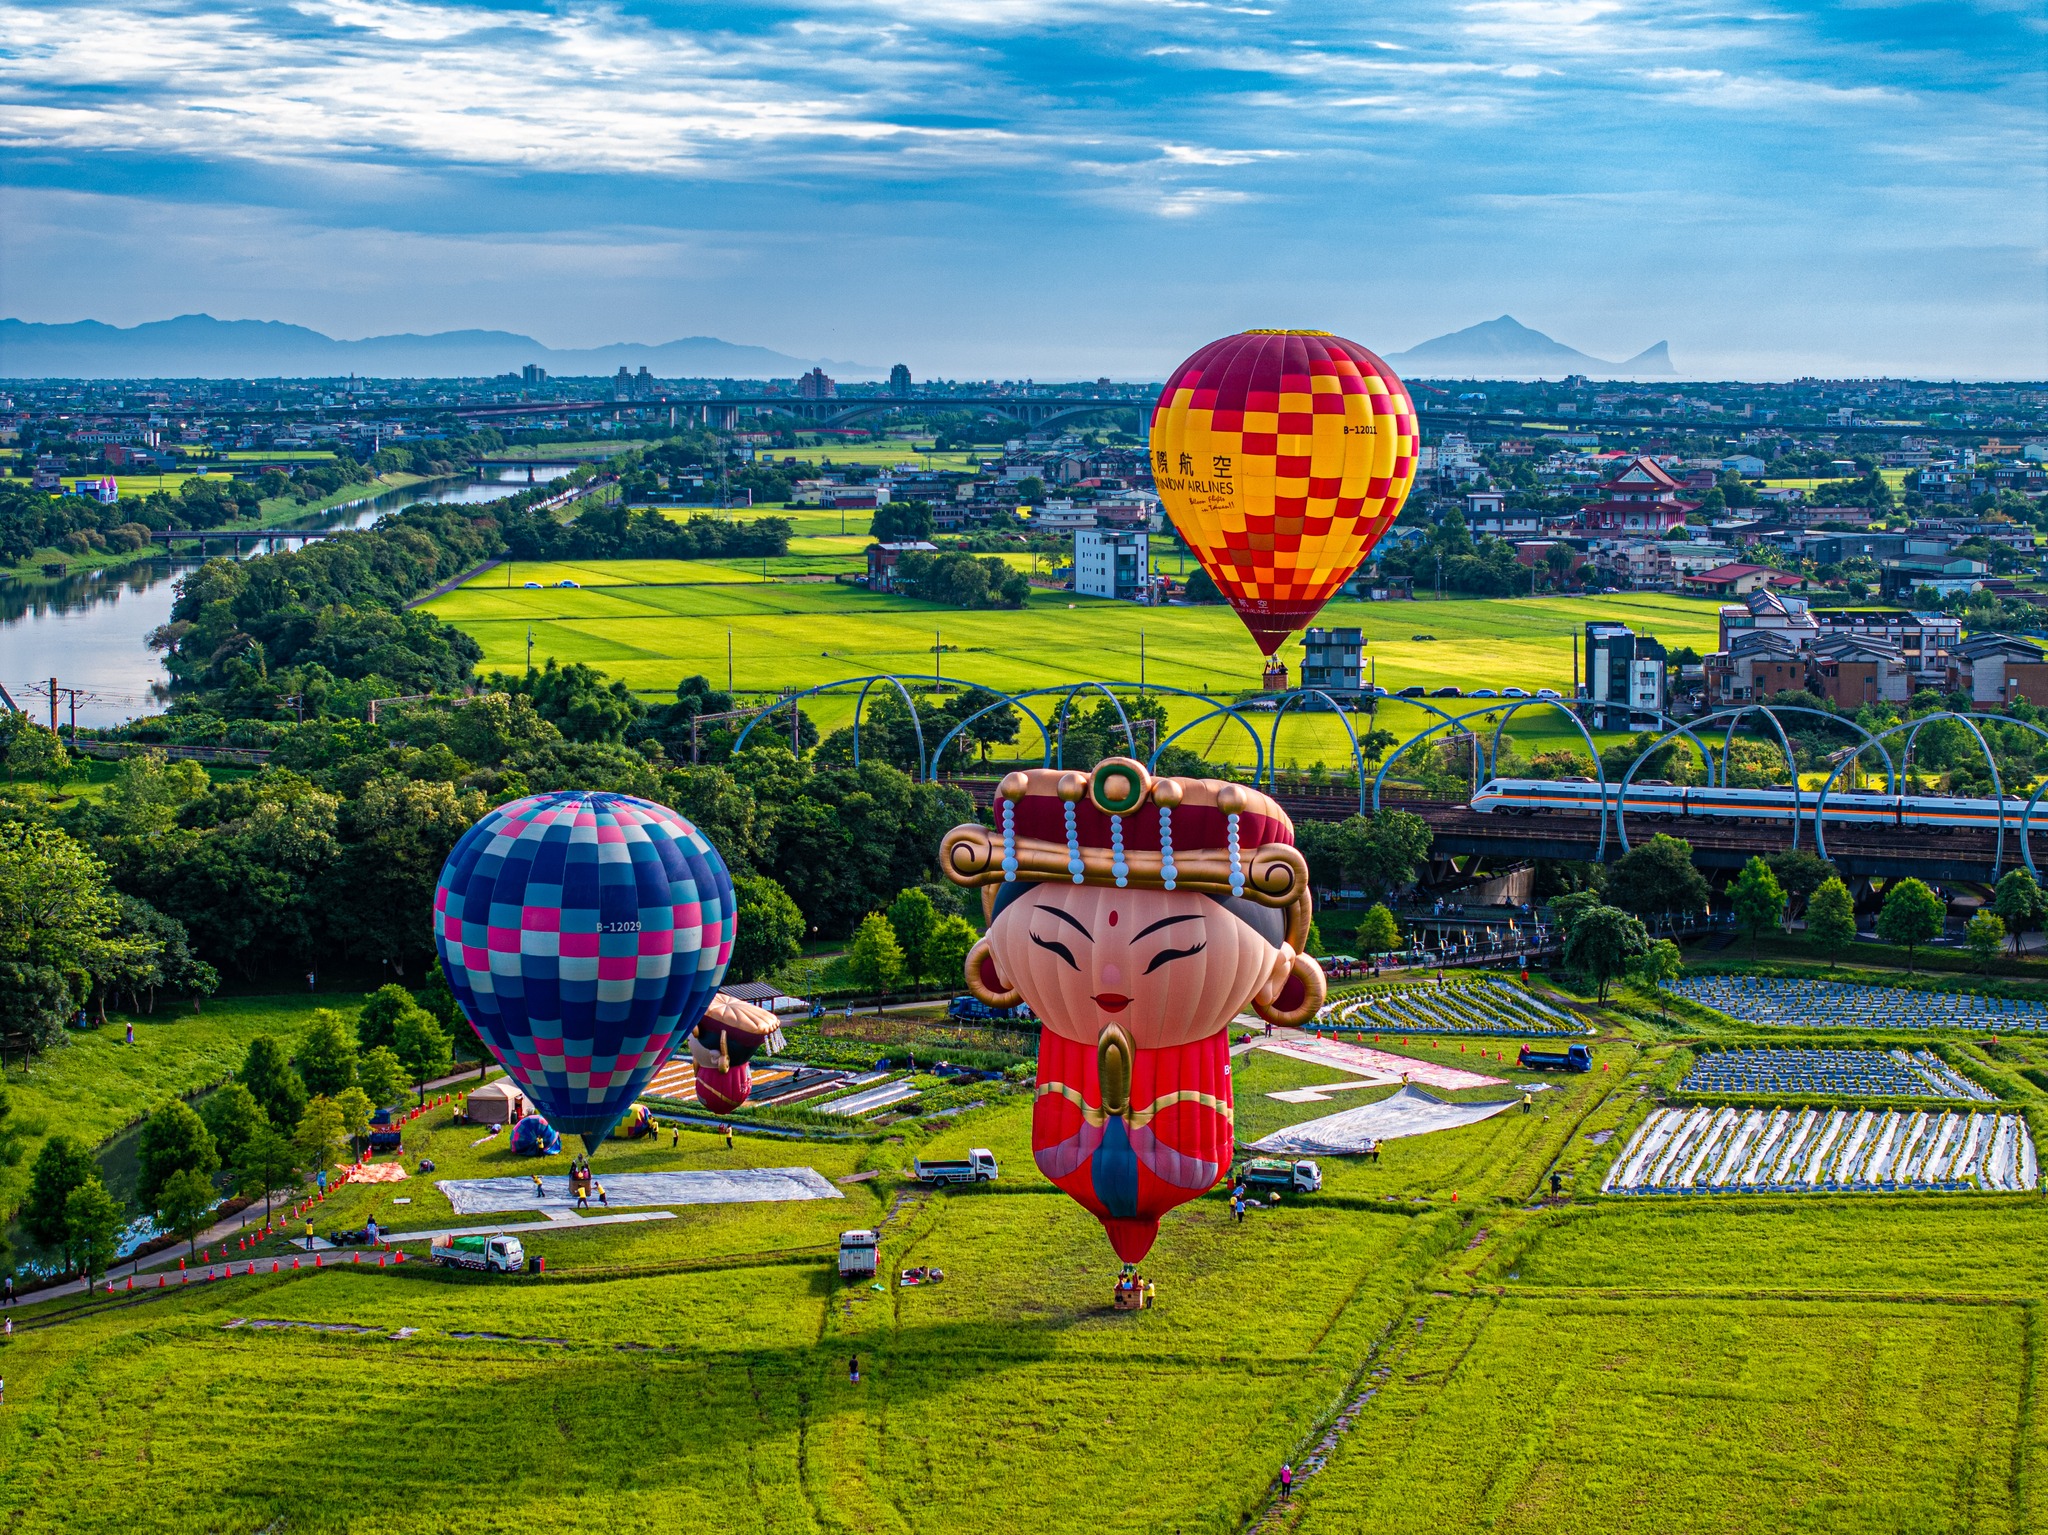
column 857, row 1251
column 495, row 1254
column 978, row 1166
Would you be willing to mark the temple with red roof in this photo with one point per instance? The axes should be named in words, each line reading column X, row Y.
column 1642, row 499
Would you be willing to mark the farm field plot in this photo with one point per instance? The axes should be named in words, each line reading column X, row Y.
column 1835, row 1073
column 804, row 635
column 1817, row 1004
column 1720, row 1150
column 1660, row 1416
column 514, row 573
column 1468, row 1005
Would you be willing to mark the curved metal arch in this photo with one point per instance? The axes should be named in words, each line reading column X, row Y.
column 916, row 723
column 1230, row 711
column 1736, row 717
column 1287, row 701
column 1130, row 735
column 1913, row 729
column 1387, row 763
column 1508, row 713
column 1003, row 700
column 1444, row 720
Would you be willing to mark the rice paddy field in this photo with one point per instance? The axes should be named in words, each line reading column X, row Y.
column 651, row 623
column 1432, row 1342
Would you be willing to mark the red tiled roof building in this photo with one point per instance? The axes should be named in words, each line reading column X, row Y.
column 1642, row 498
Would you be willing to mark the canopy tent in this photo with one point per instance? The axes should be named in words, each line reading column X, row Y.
column 496, row 1103
column 1411, row 1111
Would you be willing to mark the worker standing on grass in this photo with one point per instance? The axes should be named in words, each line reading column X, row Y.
column 538, row 1191
column 728, row 1137
column 1528, row 1102
column 853, row 1370
column 603, row 1198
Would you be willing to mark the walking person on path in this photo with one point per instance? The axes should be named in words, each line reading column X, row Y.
column 10, row 1289
column 853, row 1370
column 1286, row 1481
column 538, row 1191
column 603, row 1198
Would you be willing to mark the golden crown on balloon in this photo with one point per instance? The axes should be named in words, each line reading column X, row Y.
column 1119, row 825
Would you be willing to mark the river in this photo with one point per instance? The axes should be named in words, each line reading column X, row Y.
column 87, row 631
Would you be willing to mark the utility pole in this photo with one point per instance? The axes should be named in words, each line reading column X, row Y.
column 938, row 650
column 1141, row 663
column 53, row 706
column 728, row 660
column 529, row 647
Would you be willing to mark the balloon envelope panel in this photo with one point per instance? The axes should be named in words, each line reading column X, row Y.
column 583, row 934
column 1282, row 457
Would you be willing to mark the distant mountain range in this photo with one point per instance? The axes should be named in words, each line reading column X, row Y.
column 199, row 346
column 1506, row 348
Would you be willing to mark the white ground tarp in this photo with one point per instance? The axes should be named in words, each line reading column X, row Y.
column 1411, row 1111
column 742, row 1185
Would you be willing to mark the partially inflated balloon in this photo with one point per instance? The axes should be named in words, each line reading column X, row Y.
column 723, row 1044
column 583, row 935
column 1282, row 455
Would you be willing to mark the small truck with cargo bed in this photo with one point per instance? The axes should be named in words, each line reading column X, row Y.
column 1302, row 1177
column 857, row 1254
column 978, row 1166
column 496, row 1253
column 1570, row 1058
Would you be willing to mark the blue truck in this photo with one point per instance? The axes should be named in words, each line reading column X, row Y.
column 1571, row 1058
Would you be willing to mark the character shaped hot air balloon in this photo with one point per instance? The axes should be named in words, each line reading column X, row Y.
column 583, row 935
column 1282, row 455
column 1138, row 916
column 721, row 1046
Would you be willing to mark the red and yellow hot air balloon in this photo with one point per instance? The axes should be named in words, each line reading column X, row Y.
column 1282, row 456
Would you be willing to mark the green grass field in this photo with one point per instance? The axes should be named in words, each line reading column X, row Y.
column 1849, row 1363
column 652, row 635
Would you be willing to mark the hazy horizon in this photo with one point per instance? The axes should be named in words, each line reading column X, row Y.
column 1037, row 188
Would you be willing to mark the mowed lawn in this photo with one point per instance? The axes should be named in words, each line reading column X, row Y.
column 1731, row 1365
column 786, row 634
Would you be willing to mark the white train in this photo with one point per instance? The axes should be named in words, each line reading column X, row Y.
column 1660, row 800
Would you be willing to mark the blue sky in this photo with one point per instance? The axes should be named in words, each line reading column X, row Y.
column 1051, row 188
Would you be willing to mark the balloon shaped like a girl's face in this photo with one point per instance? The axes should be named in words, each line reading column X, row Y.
column 1169, row 966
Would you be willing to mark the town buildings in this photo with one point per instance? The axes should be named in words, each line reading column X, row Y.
column 1112, row 564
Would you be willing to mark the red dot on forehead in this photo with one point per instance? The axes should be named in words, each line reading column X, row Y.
column 1112, row 919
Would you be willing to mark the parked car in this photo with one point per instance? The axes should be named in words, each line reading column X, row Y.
column 1483, row 693
column 1447, row 692
column 1548, row 693
column 571, row 584
column 1412, row 692
column 1513, row 693
column 531, row 586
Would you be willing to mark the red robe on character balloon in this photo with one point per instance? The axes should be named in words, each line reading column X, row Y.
column 1137, row 916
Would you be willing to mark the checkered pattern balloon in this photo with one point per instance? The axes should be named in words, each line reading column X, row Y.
column 583, row 934
column 1282, row 455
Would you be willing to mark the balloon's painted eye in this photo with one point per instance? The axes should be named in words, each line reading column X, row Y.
column 1112, row 919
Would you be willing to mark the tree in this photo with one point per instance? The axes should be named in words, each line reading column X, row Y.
column 1911, row 915
column 1831, row 920
column 320, row 1134
column 2020, row 903
column 1657, row 964
column 901, row 522
column 1378, row 932
column 1800, row 872
column 327, row 1055
column 184, row 1205
column 1566, row 909
column 377, row 1023
column 945, row 951
column 232, row 1115
column 1983, row 937
column 355, row 1109
column 768, row 930
column 174, row 1140
column 1758, row 899
column 424, row 1048
column 911, row 919
column 93, row 1219
column 274, row 1081
column 59, row 923
column 267, row 1163
column 58, row 1169
column 1602, row 941
column 381, row 1076
column 1657, row 879
column 874, row 960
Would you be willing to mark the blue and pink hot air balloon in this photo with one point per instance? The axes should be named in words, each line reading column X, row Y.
column 584, row 934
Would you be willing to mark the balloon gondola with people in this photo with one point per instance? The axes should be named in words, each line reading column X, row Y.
column 584, row 935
